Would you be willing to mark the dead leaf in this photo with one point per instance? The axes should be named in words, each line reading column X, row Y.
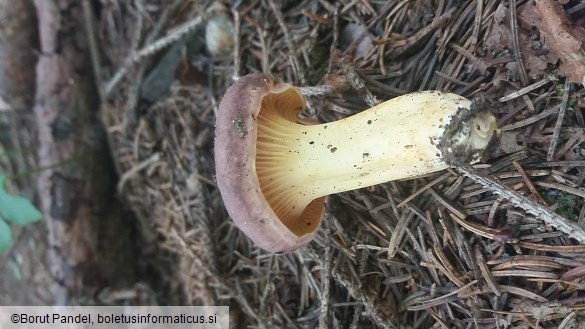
column 564, row 39
column 509, row 142
column 500, row 38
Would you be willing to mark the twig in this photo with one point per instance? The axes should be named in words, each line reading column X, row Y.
column 377, row 308
column 575, row 139
column 317, row 90
column 355, row 321
column 574, row 163
column 358, row 83
column 284, row 315
column 442, row 299
column 237, row 42
column 325, row 315
column 289, row 42
column 442, row 263
column 501, row 236
column 525, row 90
column 476, row 24
column 560, row 223
column 492, row 214
column 133, row 171
column 557, row 130
column 265, row 298
column 335, row 37
column 93, row 49
column 530, row 120
column 527, row 181
column 479, row 64
column 448, row 204
column 152, row 48
column 404, row 45
column 516, row 47
column 234, row 291
column 485, row 271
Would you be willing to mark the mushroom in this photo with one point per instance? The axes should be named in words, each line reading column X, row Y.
column 274, row 172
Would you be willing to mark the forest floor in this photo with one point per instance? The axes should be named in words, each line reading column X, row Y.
column 116, row 150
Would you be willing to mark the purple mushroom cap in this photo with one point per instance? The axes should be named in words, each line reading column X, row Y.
column 235, row 161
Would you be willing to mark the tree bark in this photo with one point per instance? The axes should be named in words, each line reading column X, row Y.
column 18, row 41
column 89, row 232
column 18, row 45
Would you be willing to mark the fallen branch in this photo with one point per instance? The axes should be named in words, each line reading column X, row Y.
column 549, row 217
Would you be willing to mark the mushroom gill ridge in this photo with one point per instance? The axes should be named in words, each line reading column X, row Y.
column 276, row 156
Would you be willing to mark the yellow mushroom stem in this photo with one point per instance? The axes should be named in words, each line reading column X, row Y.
column 397, row 139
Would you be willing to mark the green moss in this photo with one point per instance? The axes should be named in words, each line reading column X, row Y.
column 315, row 75
column 566, row 204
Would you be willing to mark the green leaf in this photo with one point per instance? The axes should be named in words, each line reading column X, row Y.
column 15, row 208
column 5, row 236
